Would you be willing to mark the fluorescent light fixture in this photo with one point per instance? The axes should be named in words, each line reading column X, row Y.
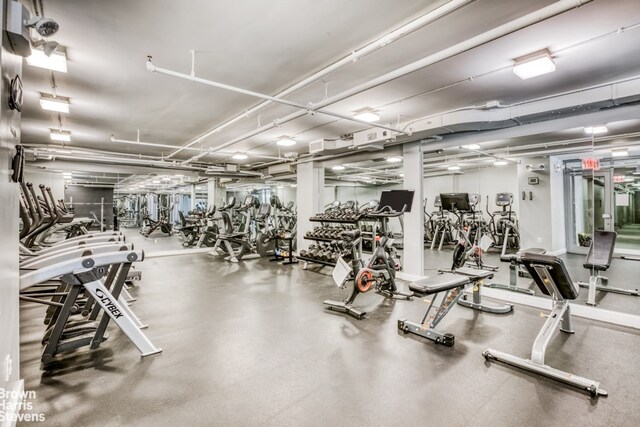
column 471, row 147
column 60, row 135
column 239, row 156
column 338, row 168
column 620, row 153
column 367, row 115
column 596, row 130
column 56, row 62
column 394, row 159
column 500, row 163
column 178, row 176
column 166, row 178
column 286, row 141
column 294, row 185
column 155, row 182
column 60, row 105
column 533, row 65
column 401, row 175
column 629, row 179
column 453, row 168
column 66, row 174
column 280, row 186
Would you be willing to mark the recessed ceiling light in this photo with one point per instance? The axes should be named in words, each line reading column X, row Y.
column 596, row 130
column 286, row 141
column 453, row 168
column 294, row 185
column 394, row 159
column 60, row 135
column 56, row 62
column 166, row 178
column 178, row 175
column 367, row 115
column 533, row 65
column 60, row 105
column 620, row 153
column 66, row 173
column 500, row 163
column 471, row 147
column 239, row 156
column 401, row 175
column 155, row 182
column 338, row 168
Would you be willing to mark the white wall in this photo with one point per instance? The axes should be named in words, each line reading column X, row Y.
column 50, row 179
column 557, row 206
column 486, row 182
column 535, row 215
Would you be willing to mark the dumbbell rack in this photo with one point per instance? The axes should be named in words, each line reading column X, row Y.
column 326, row 240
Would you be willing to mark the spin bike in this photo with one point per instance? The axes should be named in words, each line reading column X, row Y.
column 378, row 273
column 473, row 242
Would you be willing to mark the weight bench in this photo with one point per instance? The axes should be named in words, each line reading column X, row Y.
column 452, row 286
column 599, row 260
column 552, row 277
column 515, row 271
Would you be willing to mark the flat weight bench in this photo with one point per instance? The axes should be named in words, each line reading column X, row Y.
column 552, row 277
column 599, row 260
column 452, row 286
column 515, row 271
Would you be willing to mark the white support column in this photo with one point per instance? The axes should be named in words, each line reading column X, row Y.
column 309, row 197
column 413, row 251
column 213, row 192
column 193, row 196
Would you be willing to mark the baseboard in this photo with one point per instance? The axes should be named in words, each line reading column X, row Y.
column 176, row 252
column 579, row 310
column 14, row 402
column 558, row 252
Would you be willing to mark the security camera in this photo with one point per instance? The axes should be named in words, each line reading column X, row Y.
column 44, row 26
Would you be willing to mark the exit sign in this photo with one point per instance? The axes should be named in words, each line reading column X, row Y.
column 618, row 178
column 591, row 164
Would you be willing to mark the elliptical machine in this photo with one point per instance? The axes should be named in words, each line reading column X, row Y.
column 379, row 272
column 505, row 228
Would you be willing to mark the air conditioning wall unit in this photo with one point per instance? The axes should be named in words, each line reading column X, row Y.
column 281, row 168
column 372, row 137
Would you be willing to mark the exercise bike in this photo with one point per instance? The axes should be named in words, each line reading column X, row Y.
column 472, row 242
column 379, row 272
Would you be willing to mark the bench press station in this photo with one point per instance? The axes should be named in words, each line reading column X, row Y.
column 552, row 277
column 452, row 284
column 599, row 260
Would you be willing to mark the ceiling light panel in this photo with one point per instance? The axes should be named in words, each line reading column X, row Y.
column 56, row 62
column 596, row 130
column 286, row 141
column 534, row 65
column 60, row 135
column 367, row 115
column 57, row 104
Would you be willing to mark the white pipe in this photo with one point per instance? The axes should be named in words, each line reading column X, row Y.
column 310, row 108
column 474, row 42
column 352, row 57
column 205, row 150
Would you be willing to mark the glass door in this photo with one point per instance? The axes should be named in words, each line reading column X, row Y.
column 590, row 207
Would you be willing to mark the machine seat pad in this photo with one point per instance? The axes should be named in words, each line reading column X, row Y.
column 474, row 274
column 439, row 283
column 601, row 250
column 515, row 257
column 230, row 236
column 551, row 275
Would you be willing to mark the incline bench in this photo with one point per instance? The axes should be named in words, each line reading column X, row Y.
column 552, row 277
column 452, row 285
column 599, row 260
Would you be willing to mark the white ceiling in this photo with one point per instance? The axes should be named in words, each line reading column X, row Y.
column 268, row 46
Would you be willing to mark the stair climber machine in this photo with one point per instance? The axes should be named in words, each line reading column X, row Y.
column 379, row 272
column 504, row 223
column 236, row 244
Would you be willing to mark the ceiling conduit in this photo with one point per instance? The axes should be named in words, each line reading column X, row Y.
column 352, row 57
column 474, row 42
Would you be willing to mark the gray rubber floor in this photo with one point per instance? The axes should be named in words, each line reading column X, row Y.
column 252, row 344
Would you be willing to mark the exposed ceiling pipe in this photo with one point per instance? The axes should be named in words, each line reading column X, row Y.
column 206, row 150
column 310, row 108
column 486, row 154
column 469, row 44
column 352, row 57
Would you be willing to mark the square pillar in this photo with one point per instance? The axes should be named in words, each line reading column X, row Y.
column 213, row 192
column 413, row 253
column 193, row 196
column 309, row 197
